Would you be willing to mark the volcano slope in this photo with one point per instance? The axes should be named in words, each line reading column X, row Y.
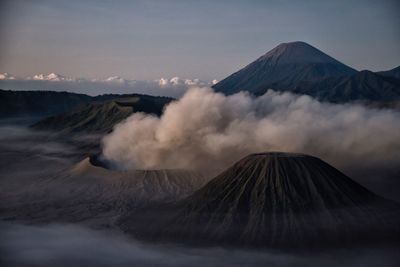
column 273, row 199
column 91, row 194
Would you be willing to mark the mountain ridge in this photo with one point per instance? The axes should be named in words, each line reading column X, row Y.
column 395, row 72
column 101, row 116
column 362, row 86
column 44, row 103
column 39, row 103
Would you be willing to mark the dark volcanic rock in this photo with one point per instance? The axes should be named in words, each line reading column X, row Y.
column 273, row 199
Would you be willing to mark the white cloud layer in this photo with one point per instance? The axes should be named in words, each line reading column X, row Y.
column 174, row 87
column 6, row 76
column 205, row 130
column 176, row 81
column 51, row 77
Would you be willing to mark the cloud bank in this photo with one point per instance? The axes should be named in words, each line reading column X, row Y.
column 6, row 76
column 205, row 129
column 174, row 87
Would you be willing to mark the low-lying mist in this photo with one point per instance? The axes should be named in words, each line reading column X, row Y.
column 205, row 129
column 72, row 245
column 27, row 156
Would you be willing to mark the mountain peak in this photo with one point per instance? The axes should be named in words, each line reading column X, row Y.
column 296, row 52
column 295, row 45
column 283, row 67
column 279, row 155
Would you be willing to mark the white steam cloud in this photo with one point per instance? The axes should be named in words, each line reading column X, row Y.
column 205, row 129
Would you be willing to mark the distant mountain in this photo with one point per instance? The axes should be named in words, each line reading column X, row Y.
column 101, row 115
column 38, row 103
column 300, row 68
column 391, row 73
column 273, row 199
column 283, row 67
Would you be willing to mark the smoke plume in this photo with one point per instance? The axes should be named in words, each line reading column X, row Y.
column 205, row 129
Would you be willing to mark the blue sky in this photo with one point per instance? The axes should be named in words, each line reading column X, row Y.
column 187, row 38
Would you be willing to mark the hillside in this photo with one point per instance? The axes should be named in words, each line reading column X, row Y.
column 364, row 86
column 101, row 116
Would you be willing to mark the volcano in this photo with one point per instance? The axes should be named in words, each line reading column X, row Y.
column 283, row 67
column 300, row 68
column 273, row 199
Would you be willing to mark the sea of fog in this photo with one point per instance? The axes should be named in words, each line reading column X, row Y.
column 27, row 156
column 73, row 245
